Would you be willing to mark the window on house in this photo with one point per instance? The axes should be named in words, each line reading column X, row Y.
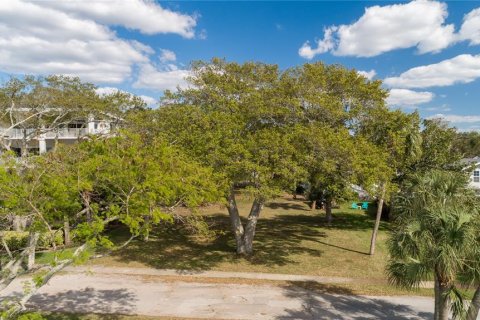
column 476, row 176
column 75, row 125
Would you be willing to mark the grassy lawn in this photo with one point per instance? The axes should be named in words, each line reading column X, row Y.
column 46, row 257
column 290, row 238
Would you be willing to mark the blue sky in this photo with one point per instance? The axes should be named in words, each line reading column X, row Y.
column 427, row 52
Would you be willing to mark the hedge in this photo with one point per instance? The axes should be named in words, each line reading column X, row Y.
column 18, row 240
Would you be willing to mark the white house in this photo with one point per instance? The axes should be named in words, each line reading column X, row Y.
column 38, row 141
column 474, row 165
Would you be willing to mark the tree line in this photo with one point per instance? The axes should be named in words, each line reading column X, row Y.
column 249, row 125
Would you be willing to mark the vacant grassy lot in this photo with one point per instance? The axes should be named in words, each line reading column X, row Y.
column 290, row 238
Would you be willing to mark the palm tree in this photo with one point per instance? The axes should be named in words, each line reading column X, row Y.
column 470, row 276
column 434, row 229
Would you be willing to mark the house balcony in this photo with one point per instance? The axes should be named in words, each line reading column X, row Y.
column 61, row 133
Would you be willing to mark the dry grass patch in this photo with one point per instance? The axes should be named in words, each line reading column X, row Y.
column 290, row 239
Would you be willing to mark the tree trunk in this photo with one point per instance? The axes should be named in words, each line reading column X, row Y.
column 442, row 300
column 32, row 244
column 328, row 210
column 19, row 223
column 251, row 225
column 313, row 205
column 437, row 299
column 146, row 220
column 5, row 246
column 55, row 145
column 24, row 149
column 474, row 305
column 16, row 225
column 373, row 241
column 12, row 268
column 19, row 303
column 445, row 305
column 86, row 200
column 237, row 227
column 66, row 232
column 4, row 143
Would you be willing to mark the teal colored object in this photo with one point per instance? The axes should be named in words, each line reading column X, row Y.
column 365, row 205
column 354, row 206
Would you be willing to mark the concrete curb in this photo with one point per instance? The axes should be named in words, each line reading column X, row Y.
column 217, row 274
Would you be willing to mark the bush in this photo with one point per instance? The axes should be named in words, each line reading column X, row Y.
column 44, row 241
column 31, row 316
column 18, row 240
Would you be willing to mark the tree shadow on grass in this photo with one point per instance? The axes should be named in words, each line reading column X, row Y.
column 341, row 221
column 87, row 300
column 299, row 206
column 277, row 240
column 173, row 247
column 323, row 301
column 358, row 221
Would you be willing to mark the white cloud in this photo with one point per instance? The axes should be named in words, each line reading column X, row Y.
column 469, row 129
column 408, row 98
column 306, row 51
column 167, row 77
column 368, row 74
column 453, row 118
column 203, row 34
column 460, row 69
column 471, row 27
column 419, row 24
column 146, row 16
column 443, row 108
column 150, row 101
column 167, row 55
column 48, row 38
column 104, row 91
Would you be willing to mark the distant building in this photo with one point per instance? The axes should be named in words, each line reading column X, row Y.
column 38, row 141
column 474, row 165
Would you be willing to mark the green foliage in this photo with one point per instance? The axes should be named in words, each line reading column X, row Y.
column 100, row 180
column 335, row 160
column 234, row 120
column 85, row 255
column 45, row 239
column 44, row 104
column 438, row 147
column 409, row 145
column 31, row 316
column 434, row 226
column 17, row 240
column 244, row 120
column 398, row 136
column 198, row 226
column 38, row 278
column 468, row 144
column 435, row 231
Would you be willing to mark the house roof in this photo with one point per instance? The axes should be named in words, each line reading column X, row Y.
column 470, row 161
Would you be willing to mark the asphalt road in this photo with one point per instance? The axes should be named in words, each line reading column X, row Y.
column 86, row 292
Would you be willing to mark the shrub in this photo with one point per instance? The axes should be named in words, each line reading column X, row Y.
column 31, row 316
column 18, row 240
column 45, row 240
